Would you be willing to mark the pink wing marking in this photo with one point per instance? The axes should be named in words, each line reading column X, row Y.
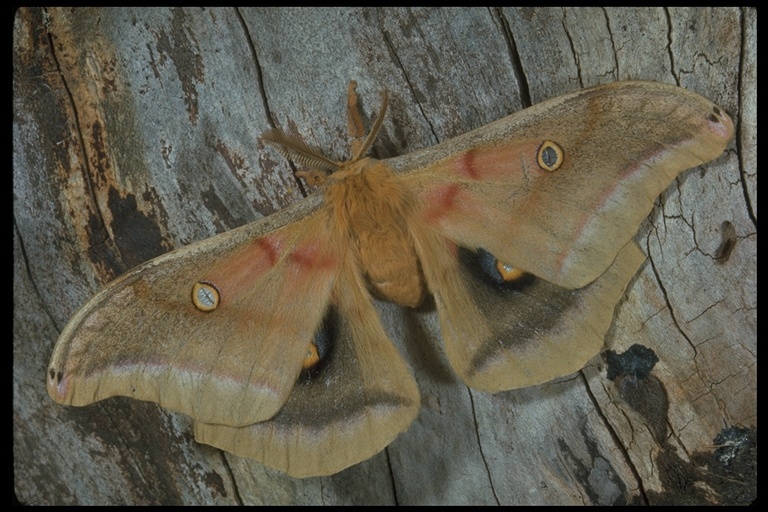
column 500, row 163
column 312, row 257
column 235, row 274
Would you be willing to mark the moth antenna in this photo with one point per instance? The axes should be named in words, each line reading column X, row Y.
column 375, row 129
column 295, row 149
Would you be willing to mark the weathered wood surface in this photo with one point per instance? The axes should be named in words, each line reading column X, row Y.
column 135, row 131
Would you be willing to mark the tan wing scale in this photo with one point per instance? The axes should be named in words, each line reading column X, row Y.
column 144, row 337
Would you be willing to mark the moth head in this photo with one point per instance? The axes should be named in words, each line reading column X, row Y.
column 293, row 148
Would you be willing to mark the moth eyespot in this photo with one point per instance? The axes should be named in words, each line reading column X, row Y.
column 205, row 296
column 494, row 272
column 550, row 156
column 508, row 273
column 311, row 358
column 320, row 348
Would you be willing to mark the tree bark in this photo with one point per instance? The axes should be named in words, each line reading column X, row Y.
column 136, row 132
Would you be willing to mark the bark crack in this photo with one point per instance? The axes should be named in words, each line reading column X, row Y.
column 574, row 52
column 615, row 436
column 488, row 472
column 77, row 125
column 263, row 92
column 739, row 136
column 391, row 50
column 514, row 58
column 613, row 43
column 670, row 52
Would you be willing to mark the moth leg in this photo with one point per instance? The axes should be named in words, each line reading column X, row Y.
column 360, row 146
column 355, row 125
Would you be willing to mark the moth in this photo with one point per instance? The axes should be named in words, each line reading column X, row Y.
column 522, row 232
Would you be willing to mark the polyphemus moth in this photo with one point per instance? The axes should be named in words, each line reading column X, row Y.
column 521, row 230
